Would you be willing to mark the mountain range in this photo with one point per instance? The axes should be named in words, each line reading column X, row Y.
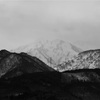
column 61, row 55
column 24, row 77
column 50, row 71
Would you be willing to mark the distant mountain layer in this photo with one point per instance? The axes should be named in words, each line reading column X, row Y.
column 52, row 53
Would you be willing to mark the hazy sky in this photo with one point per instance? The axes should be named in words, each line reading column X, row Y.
column 24, row 21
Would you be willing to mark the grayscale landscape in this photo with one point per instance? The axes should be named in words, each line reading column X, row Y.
column 49, row 50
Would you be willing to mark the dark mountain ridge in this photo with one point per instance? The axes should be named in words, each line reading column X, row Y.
column 21, row 63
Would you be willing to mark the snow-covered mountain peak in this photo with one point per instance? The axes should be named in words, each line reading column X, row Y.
column 52, row 52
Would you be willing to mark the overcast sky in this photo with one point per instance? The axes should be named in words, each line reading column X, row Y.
column 24, row 21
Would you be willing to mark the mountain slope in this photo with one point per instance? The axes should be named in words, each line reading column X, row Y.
column 89, row 59
column 21, row 63
column 52, row 53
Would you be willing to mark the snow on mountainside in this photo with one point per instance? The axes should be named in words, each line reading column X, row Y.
column 89, row 59
column 53, row 52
